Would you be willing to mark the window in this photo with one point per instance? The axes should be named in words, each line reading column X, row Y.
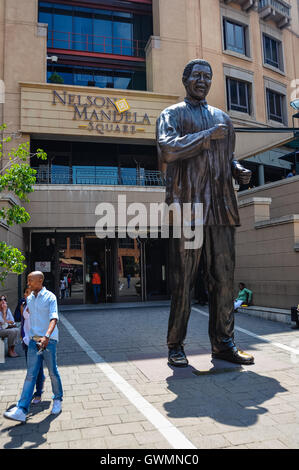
column 126, row 79
column 275, row 102
column 272, row 52
column 238, row 95
column 96, row 30
column 234, row 36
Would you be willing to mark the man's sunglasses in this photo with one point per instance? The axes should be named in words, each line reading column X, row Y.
column 3, row 298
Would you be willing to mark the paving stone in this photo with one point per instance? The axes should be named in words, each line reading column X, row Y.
column 240, row 437
column 77, row 414
column 94, row 443
column 271, row 444
column 114, row 411
column 59, row 445
column 89, row 405
column 63, row 436
column 77, row 423
column 210, row 442
column 103, row 420
column 98, row 431
column 285, row 418
column 149, row 437
column 126, row 428
column 121, row 442
column 148, row 426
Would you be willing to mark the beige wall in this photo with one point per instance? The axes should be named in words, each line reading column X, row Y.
column 284, row 195
column 267, row 257
column 58, row 206
column 24, row 55
column 188, row 29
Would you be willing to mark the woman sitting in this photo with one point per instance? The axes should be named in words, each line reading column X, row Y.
column 8, row 328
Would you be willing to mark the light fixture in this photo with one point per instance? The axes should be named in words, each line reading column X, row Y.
column 295, row 104
column 53, row 58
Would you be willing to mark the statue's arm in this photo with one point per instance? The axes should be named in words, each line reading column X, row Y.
column 241, row 174
column 172, row 146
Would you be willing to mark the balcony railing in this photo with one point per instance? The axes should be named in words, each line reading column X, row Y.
column 276, row 10
column 93, row 43
column 98, row 176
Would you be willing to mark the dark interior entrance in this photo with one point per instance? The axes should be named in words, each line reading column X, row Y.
column 99, row 256
column 156, row 261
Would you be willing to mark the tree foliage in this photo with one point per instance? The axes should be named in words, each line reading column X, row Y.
column 17, row 178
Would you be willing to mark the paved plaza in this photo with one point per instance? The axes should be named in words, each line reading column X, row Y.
column 119, row 392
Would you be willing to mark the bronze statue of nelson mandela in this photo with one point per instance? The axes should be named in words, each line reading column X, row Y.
column 197, row 142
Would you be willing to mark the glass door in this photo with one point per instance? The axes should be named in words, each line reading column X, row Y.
column 70, row 268
column 129, row 263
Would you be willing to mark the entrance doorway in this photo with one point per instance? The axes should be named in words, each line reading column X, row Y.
column 156, row 269
column 70, row 268
column 130, row 268
column 99, row 256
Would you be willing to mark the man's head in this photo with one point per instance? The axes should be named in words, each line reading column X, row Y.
column 197, row 78
column 35, row 280
column 242, row 285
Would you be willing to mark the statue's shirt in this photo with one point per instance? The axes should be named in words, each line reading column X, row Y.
column 198, row 169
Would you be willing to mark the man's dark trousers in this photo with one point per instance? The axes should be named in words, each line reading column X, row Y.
column 218, row 252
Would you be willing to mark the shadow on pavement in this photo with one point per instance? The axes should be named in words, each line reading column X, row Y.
column 234, row 398
column 29, row 432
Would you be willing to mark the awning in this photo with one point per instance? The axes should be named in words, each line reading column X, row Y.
column 250, row 142
column 70, row 261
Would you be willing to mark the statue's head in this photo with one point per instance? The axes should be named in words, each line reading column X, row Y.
column 197, row 78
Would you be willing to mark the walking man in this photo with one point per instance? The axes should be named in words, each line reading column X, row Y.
column 43, row 334
column 197, row 142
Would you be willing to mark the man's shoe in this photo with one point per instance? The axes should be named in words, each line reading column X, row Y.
column 56, row 407
column 234, row 355
column 177, row 357
column 16, row 414
column 295, row 327
column 36, row 400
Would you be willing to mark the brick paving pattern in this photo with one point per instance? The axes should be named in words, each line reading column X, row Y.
column 254, row 408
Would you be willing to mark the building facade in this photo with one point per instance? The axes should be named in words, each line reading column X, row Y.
column 86, row 80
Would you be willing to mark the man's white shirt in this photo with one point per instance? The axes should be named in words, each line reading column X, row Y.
column 43, row 308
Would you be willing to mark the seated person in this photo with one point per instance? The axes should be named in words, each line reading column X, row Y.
column 8, row 328
column 244, row 296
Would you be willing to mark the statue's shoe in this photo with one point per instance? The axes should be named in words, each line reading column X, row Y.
column 234, row 355
column 177, row 357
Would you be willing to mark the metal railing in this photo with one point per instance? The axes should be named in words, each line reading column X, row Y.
column 93, row 43
column 98, row 176
column 278, row 5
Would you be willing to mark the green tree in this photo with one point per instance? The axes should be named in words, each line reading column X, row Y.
column 56, row 78
column 17, row 177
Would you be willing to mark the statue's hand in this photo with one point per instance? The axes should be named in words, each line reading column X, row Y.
column 241, row 174
column 219, row 131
